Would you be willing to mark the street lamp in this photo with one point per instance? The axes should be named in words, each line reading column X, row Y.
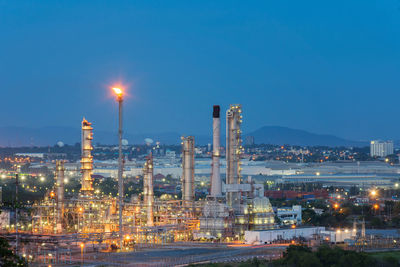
column 374, row 193
column 118, row 92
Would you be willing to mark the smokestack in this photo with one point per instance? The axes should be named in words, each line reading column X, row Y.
column 148, row 189
column 87, row 158
column 59, row 176
column 216, row 185
column 188, row 168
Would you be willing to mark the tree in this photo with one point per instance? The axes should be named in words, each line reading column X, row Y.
column 8, row 257
column 299, row 256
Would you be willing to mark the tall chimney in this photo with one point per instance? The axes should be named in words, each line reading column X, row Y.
column 148, row 189
column 59, row 175
column 216, row 185
column 188, row 168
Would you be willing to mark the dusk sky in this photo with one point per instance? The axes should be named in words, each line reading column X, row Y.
column 328, row 67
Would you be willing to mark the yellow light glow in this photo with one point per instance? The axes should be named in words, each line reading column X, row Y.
column 373, row 193
column 117, row 91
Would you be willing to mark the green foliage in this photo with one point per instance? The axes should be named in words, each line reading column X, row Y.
column 302, row 256
column 388, row 258
column 7, row 256
column 109, row 185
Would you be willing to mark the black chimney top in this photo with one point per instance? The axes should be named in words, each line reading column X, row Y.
column 216, row 111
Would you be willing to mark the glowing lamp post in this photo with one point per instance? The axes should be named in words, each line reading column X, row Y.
column 118, row 92
column 373, row 193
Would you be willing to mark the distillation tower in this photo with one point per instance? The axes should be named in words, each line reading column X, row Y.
column 59, row 184
column 242, row 205
column 233, row 151
column 188, row 169
column 148, row 193
column 87, row 158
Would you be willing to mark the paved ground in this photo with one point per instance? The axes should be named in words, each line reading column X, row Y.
column 179, row 255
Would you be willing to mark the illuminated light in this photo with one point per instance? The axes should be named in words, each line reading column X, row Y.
column 23, row 177
column 42, row 179
column 338, row 231
column 373, row 193
column 396, row 185
column 317, row 173
column 52, row 194
column 336, row 206
column 293, row 226
column 117, row 91
column 376, row 206
column 82, row 245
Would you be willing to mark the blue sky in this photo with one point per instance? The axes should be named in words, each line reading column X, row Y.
column 323, row 66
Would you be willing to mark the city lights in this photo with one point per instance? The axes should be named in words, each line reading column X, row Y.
column 373, row 193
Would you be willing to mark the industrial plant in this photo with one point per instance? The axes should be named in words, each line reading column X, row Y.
column 233, row 206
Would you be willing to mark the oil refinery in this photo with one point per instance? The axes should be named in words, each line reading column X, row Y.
column 60, row 224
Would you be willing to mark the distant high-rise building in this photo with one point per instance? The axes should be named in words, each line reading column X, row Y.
column 381, row 148
column 249, row 141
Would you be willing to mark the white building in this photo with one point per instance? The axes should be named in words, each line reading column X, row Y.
column 269, row 236
column 289, row 215
column 381, row 148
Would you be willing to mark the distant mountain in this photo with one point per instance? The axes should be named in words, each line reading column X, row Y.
column 21, row 136
column 282, row 135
